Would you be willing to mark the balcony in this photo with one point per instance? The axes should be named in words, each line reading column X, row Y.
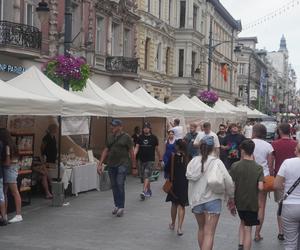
column 16, row 36
column 121, row 64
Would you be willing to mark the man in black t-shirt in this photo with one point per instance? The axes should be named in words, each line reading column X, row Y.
column 146, row 146
column 231, row 144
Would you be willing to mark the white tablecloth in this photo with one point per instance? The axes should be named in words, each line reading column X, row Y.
column 84, row 178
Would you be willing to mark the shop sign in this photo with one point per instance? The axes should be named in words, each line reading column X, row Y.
column 253, row 94
column 11, row 68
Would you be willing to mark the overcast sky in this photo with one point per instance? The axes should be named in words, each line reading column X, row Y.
column 269, row 33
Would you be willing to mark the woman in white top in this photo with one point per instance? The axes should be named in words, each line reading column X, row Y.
column 288, row 173
column 206, row 203
column 263, row 155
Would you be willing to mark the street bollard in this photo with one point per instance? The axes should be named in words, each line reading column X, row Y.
column 58, row 194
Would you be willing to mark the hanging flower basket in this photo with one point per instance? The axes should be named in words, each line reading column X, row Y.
column 73, row 70
column 208, row 97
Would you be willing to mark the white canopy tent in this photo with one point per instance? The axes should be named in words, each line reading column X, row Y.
column 116, row 107
column 34, row 81
column 150, row 100
column 150, row 110
column 14, row 101
column 241, row 115
column 259, row 113
column 220, row 107
column 250, row 113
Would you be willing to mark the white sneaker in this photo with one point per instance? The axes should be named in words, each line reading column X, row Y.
column 17, row 218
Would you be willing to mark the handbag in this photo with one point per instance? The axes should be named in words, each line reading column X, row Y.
column 105, row 181
column 296, row 183
column 215, row 179
column 269, row 183
column 168, row 185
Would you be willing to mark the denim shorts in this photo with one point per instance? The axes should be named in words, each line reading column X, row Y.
column 211, row 207
column 1, row 191
column 10, row 174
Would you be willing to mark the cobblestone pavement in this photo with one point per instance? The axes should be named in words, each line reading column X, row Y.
column 87, row 223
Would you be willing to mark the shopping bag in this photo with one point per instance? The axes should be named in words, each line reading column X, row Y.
column 105, row 181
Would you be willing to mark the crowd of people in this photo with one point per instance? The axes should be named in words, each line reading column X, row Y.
column 206, row 169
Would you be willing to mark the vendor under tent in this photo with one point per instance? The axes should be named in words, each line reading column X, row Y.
column 14, row 101
column 116, row 107
column 250, row 113
column 150, row 110
column 150, row 100
column 34, row 81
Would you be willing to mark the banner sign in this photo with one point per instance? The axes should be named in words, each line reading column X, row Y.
column 75, row 125
column 11, row 68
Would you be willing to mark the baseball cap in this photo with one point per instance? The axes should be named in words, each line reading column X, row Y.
column 147, row 125
column 209, row 140
column 116, row 122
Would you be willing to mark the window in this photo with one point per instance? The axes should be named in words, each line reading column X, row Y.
column 115, row 49
column 182, row 15
column 180, row 62
column 193, row 68
column 1, row 9
column 242, row 68
column 99, row 34
column 195, row 16
column 167, row 60
column 159, row 8
column 29, row 14
column 170, row 10
column 158, row 57
column 147, row 49
column 149, row 6
column 127, row 43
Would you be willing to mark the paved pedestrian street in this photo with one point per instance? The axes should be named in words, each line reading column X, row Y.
column 87, row 223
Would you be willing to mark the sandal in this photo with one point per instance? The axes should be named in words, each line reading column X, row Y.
column 258, row 238
column 171, row 226
column 280, row 237
column 179, row 232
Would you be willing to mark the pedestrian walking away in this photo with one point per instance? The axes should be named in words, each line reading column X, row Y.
column 146, row 146
column 263, row 155
column 118, row 151
column 288, row 179
column 189, row 139
column 246, row 192
column 284, row 148
column 179, row 194
column 204, row 197
column 169, row 149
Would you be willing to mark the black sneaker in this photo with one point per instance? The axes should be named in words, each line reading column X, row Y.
column 241, row 247
column 142, row 196
column 3, row 222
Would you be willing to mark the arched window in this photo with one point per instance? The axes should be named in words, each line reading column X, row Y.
column 158, row 57
column 167, row 60
column 147, row 49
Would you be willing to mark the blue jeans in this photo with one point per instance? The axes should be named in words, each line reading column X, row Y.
column 117, row 176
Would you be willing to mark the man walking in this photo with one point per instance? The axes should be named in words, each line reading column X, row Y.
column 118, row 148
column 146, row 146
column 222, row 135
column 284, row 148
column 207, row 132
column 189, row 139
column 246, row 192
column 177, row 129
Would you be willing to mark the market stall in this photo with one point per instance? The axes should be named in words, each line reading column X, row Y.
column 251, row 114
column 232, row 116
column 241, row 114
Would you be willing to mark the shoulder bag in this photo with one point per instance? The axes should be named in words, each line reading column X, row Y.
column 269, row 183
column 215, row 179
column 292, row 188
column 167, row 187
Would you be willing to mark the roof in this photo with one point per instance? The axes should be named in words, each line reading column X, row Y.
column 236, row 24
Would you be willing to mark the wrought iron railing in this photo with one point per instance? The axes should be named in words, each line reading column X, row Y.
column 121, row 64
column 20, row 35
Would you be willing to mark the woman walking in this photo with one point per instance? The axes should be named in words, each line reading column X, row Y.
column 204, row 198
column 288, row 177
column 10, row 170
column 170, row 148
column 179, row 194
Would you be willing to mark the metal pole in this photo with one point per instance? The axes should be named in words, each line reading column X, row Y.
column 210, row 52
column 59, row 149
column 231, row 59
column 68, row 33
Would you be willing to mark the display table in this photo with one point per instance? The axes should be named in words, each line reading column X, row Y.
column 83, row 177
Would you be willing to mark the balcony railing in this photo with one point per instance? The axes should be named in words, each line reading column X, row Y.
column 20, row 35
column 121, row 64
